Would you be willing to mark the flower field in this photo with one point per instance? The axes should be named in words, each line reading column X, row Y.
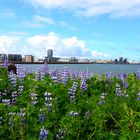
column 55, row 105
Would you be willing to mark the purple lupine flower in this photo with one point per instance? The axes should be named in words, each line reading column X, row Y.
column 37, row 74
column 125, row 84
column 65, row 76
column 102, row 97
column 124, row 94
column 42, row 116
column 118, row 90
column 13, row 79
column 124, row 76
column 20, row 89
column 138, row 74
column 5, row 63
column 47, row 94
column 22, row 114
column 6, row 101
column 60, row 134
column 139, row 96
column 43, row 134
column 48, row 101
column 1, row 120
column 71, row 113
column 101, row 103
column 33, row 98
column 72, row 75
column 75, row 114
column 83, row 85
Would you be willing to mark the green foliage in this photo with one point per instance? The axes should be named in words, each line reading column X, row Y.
column 117, row 118
column 3, row 78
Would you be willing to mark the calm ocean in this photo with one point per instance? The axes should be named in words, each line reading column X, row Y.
column 95, row 68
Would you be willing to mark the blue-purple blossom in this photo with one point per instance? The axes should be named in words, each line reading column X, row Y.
column 6, row 101
column 43, row 134
column 72, row 113
column 1, row 120
column 83, row 85
column 65, row 76
column 139, row 96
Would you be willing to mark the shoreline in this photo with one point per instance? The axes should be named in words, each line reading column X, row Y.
column 70, row 63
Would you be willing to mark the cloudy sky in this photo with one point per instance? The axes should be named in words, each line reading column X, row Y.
column 100, row 29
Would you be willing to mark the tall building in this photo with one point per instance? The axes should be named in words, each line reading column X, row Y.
column 3, row 57
column 121, row 60
column 50, row 54
column 29, row 58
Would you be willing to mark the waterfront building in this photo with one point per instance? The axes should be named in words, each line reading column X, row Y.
column 14, row 58
column 121, row 60
column 50, row 54
column 73, row 60
column 29, row 58
column 3, row 57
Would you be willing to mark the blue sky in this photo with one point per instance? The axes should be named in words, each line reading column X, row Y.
column 98, row 29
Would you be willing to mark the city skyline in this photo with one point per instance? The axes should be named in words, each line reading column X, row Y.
column 101, row 29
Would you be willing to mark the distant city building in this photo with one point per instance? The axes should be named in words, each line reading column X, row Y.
column 125, row 61
column 50, row 57
column 63, row 60
column 14, row 58
column 73, row 60
column 50, row 54
column 116, row 61
column 121, row 60
column 3, row 57
column 29, row 58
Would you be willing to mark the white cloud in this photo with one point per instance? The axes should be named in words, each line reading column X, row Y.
column 96, row 53
column 9, row 44
column 42, row 19
column 38, row 45
column 6, row 14
column 71, row 46
column 115, row 8
column 38, row 21
column 65, row 24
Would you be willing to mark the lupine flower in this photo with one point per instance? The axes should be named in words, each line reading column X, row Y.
column 13, row 79
column 14, row 96
column 43, row 134
column 75, row 114
column 72, row 75
column 48, row 101
column 5, row 63
column 138, row 74
column 83, row 85
column 42, row 116
column 118, row 90
column 33, row 98
column 20, row 89
column 139, row 96
column 72, row 113
column 22, row 114
column 125, row 84
column 6, row 101
column 65, row 76
column 60, row 134
column 101, row 103
column 102, row 97
column 0, row 120
column 37, row 72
